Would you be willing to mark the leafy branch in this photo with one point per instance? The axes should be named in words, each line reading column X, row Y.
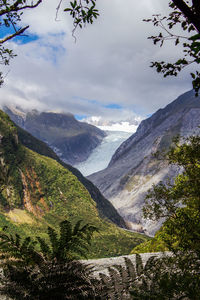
column 186, row 17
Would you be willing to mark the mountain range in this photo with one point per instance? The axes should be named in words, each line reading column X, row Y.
column 134, row 167
column 37, row 191
column 71, row 140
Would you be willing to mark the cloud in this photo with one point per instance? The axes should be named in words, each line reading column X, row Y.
column 109, row 63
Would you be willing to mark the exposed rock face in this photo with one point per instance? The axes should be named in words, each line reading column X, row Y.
column 133, row 168
column 73, row 141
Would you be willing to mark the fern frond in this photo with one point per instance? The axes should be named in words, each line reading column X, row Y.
column 130, row 268
column 53, row 237
column 65, row 233
column 77, row 227
column 46, row 251
column 150, row 263
column 139, row 265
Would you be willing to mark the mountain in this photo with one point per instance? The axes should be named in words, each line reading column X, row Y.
column 129, row 124
column 73, row 141
column 134, row 168
column 105, row 208
column 37, row 191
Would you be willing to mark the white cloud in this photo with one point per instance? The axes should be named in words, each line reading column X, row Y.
column 109, row 62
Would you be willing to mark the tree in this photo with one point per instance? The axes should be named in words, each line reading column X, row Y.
column 175, row 277
column 187, row 15
column 179, row 201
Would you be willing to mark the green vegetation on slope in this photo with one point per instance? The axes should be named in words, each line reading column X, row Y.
column 40, row 190
column 105, row 208
column 178, row 202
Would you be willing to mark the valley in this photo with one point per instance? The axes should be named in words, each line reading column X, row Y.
column 134, row 167
column 121, row 169
column 102, row 154
column 38, row 191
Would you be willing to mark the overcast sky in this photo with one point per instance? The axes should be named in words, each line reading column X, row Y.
column 105, row 73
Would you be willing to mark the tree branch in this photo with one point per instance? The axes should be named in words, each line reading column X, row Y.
column 188, row 13
column 15, row 8
column 19, row 32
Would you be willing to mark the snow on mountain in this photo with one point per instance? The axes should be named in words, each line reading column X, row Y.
column 128, row 125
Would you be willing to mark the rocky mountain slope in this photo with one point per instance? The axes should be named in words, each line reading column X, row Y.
column 37, row 191
column 73, row 141
column 134, row 168
column 105, row 208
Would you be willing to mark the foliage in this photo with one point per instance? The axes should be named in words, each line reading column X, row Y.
column 161, row 278
column 168, row 278
column 156, row 244
column 184, row 15
column 179, row 200
column 164, row 278
column 72, row 242
column 51, row 272
column 83, row 12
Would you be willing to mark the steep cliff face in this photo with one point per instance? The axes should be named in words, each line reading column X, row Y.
column 73, row 141
column 133, row 168
column 37, row 191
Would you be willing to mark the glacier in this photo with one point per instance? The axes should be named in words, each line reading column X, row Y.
column 102, row 154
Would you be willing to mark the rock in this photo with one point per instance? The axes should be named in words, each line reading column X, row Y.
column 134, row 168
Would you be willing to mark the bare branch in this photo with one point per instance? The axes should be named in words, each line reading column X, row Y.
column 57, row 10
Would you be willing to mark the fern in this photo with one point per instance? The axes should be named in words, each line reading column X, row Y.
column 52, row 272
column 118, row 283
column 135, row 281
column 71, row 243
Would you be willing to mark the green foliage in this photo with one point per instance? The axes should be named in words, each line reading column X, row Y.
column 70, row 244
column 185, row 14
column 82, row 12
column 178, row 201
column 50, row 273
column 154, row 245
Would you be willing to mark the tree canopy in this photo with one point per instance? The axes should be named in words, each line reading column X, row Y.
column 187, row 15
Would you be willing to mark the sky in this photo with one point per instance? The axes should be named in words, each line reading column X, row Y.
column 104, row 73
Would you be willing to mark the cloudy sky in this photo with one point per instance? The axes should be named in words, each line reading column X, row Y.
column 105, row 73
